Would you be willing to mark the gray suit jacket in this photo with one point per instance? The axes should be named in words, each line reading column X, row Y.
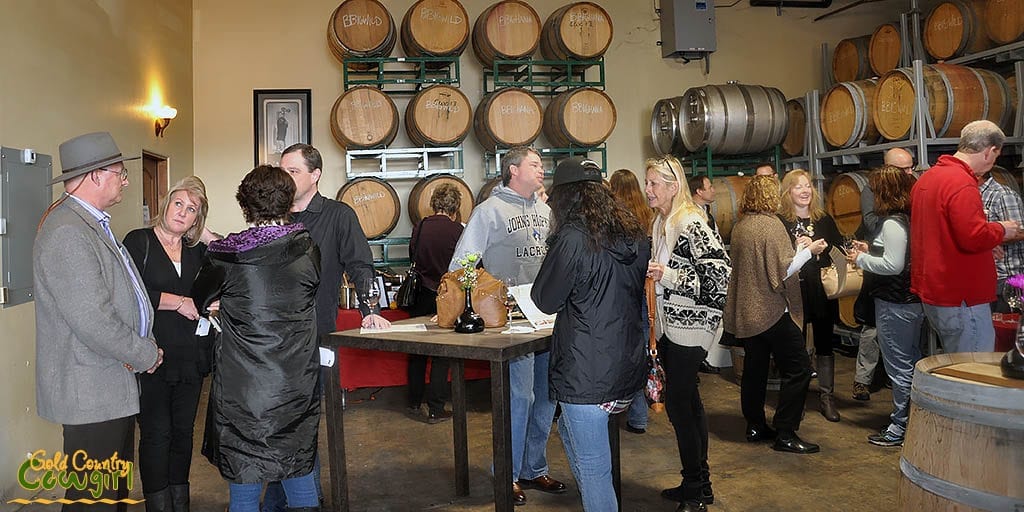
column 87, row 322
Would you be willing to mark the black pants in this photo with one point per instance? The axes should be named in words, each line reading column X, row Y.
column 437, row 390
column 166, row 418
column 686, row 412
column 101, row 441
column 784, row 341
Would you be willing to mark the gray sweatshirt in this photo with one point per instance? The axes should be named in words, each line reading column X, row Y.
column 509, row 231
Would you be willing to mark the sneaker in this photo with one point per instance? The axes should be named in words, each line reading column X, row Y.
column 885, row 438
column 861, row 392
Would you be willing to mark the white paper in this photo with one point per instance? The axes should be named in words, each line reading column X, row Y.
column 326, row 357
column 203, row 328
column 537, row 318
column 395, row 328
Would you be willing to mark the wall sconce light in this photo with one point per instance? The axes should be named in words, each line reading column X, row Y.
column 164, row 115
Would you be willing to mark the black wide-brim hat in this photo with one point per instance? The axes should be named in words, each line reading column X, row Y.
column 86, row 153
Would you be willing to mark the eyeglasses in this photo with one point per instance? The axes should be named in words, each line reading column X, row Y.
column 123, row 172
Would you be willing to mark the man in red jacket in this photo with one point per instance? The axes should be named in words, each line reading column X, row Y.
column 952, row 266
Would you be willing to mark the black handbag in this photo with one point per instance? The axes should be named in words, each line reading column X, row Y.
column 406, row 296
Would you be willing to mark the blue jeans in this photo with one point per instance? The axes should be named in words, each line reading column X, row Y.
column 274, row 497
column 584, row 430
column 532, row 412
column 637, row 414
column 301, row 492
column 963, row 328
column 899, row 331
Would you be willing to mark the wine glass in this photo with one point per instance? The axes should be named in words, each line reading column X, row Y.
column 369, row 293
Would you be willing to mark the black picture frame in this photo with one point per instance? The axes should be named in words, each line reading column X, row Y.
column 281, row 117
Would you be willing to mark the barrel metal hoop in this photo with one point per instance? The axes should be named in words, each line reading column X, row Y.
column 984, row 92
column 748, row 128
column 860, row 123
column 953, row 491
column 950, row 105
column 926, row 387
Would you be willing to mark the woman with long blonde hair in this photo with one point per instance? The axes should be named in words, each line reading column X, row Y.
column 690, row 269
column 802, row 213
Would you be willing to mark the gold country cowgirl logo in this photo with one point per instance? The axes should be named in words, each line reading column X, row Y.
column 41, row 472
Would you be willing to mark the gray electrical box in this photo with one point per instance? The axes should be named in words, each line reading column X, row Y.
column 24, row 196
column 687, row 28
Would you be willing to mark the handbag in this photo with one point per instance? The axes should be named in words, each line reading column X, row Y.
column 406, row 296
column 841, row 279
column 655, row 387
column 488, row 299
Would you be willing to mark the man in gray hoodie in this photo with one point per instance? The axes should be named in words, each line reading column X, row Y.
column 509, row 231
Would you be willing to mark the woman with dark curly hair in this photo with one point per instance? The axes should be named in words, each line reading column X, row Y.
column 430, row 249
column 264, row 408
column 764, row 311
column 593, row 277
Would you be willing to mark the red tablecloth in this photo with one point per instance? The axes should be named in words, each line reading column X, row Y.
column 1006, row 330
column 360, row 368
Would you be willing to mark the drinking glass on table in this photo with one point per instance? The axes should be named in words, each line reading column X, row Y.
column 510, row 299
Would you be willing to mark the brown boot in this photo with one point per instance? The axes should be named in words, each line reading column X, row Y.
column 826, row 386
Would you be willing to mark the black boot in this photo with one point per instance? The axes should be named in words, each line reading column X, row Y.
column 826, row 386
column 159, row 501
column 179, row 497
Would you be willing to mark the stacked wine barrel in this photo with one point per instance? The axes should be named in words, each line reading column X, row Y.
column 958, row 27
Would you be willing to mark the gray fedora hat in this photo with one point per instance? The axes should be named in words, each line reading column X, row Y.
column 86, row 153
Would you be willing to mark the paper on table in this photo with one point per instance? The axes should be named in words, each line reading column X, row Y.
column 395, row 328
column 538, row 318
column 326, row 357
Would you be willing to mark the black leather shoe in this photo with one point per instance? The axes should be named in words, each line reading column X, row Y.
column 793, row 444
column 633, row 430
column 692, row 506
column 437, row 417
column 757, row 433
column 543, row 483
column 518, row 496
column 707, row 496
column 705, row 367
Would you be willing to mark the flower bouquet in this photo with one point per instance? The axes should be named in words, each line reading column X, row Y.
column 1012, row 365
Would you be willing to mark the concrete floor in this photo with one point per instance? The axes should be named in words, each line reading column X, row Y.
column 397, row 464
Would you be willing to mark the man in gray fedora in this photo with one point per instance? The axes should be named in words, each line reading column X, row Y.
column 93, row 318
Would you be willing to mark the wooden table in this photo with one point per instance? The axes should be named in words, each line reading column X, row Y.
column 489, row 345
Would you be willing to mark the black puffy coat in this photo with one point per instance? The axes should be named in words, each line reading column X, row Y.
column 264, row 405
column 598, row 345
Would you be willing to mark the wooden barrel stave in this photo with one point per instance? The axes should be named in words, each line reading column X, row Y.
column 579, row 117
column 1004, row 20
column 419, row 197
column 796, row 132
column 508, row 117
column 361, row 28
column 733, row 118
column 846, row 113
column 850, row 59
column 435, row 28
column 885, row 48
column 364, row 117
column 439, row 115
column 376, row 205
column 578, row 31
column 843, row 200
column 954, row 28
column 507, row 30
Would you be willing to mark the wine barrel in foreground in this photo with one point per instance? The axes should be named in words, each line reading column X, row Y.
column 1004, row 20
column 439, row 115
column 850, row 59
column 507, row 30
column 963, row 446
column 508, row 117
column 956, row 96
column 954, row 28
column 375, row 202
column 843, row 200
column 419, row 197
column 579, row 117
column 725, row 209
column 361, row 28
column 796, row 133
column 435, row 28
column 885, row 49
column 733, row 119
column 1008, row 178
column 846, row 113
column 364, row 117
column 665, row 131
column 578, row 31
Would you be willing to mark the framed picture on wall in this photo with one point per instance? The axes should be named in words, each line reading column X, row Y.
column 281, row 117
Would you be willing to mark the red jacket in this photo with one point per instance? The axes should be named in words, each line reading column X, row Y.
column 951, row 261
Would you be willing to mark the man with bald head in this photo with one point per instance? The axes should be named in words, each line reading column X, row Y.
column 952, row 269
column 896, row 157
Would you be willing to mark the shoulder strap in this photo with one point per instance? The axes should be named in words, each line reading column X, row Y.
column 652, row 304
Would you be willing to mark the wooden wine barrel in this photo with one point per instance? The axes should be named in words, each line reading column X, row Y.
column 725, row 209
column 885, row 49
column 954, row 28
column 439, row 115
column 486, row 188
column 963, row 445
column 364, row 117
column 375, row 202
column 956, row 95
column 733, row 119
column 579, row 117
column 843, row 200
column 850, row 59
column 1008, row 178
column 361, row 28
column 1004, row 20
column 846, row 111
column 665, row 131
column 435, row 28
column 578, row 31
column 507, row 30
column 793, row 144
column 419, row 197
column 508, row 117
